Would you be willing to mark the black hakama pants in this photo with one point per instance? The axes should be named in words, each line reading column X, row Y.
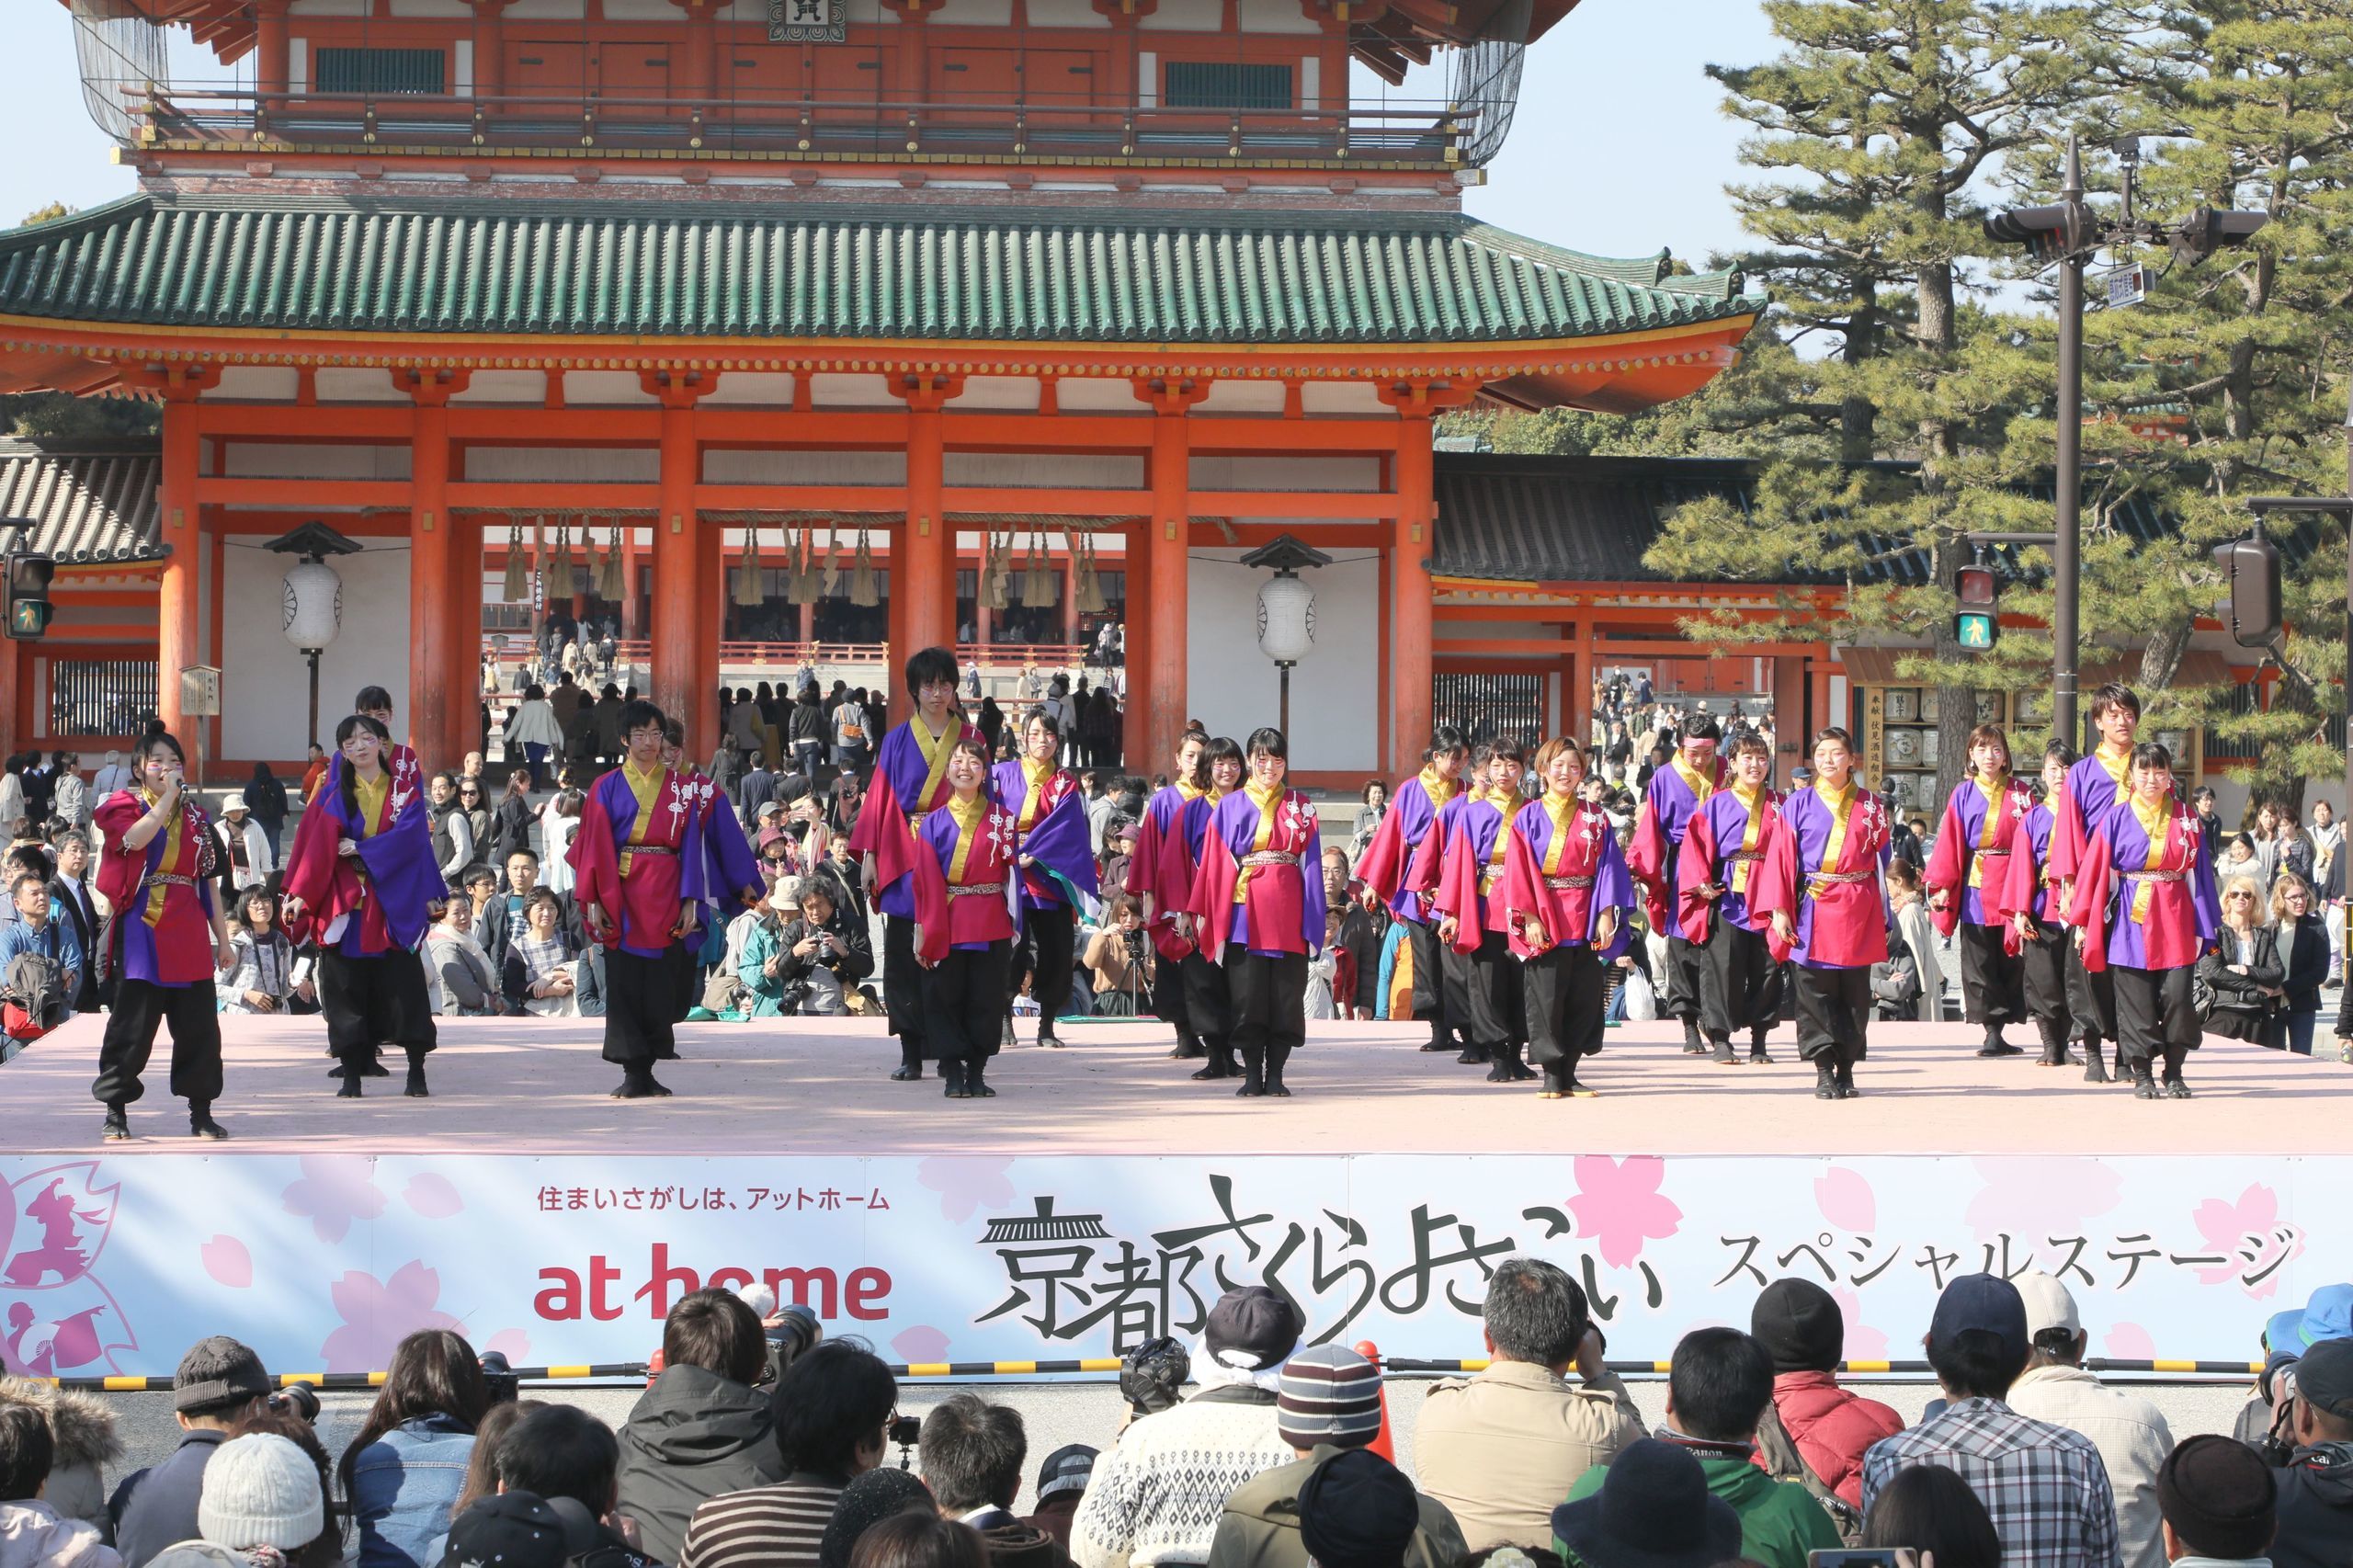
column 1834, row 1013
column 902, row 987
column 1439, row 992
column 1042, row 953
column 1740, row 985
column 193, row 1016
column 2058, row 990
column 1266, row 1000
column 2154, row 1016
column 963, row 1006
column 374, row 1000
column 1498, row 1005
column 1991, row 982
column 1562, row 991
column 640, row 1027
column 1684, row 996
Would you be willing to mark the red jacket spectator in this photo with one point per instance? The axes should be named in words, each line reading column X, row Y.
column 1802, row 1327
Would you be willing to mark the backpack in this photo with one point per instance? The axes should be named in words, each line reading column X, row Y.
column 1784, row 1462
column 37, row 1000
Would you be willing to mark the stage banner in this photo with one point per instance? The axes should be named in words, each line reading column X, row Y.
column 323, row 1262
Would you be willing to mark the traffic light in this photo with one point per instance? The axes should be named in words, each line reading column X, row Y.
column 2206, row 230
column 2251, row 565
column 1975, row 593
column 2048, row 232
column 28, row 607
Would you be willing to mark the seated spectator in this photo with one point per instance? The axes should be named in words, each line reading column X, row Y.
column 972, row 1454
column 1062, row 1483
column 833, row 1424
column 2218, row 1503
column 1827, row 1427
column 2316, row 1484
column 510, row 1530
column 219, row 1383
column 919, row 1540
column 408, row 1463
column 40, row 961
column 701, row 1429
column 481, row 1468
column 2043, row 1485
column 262, row 980
column 1120, row 957
column 1719, row 1386
column 1495, row 1448
column 32, row 1533
column 84, row 1442
column 825, row 953
column 458, row 973
column 284, row 1418
column 876, row 1495
column 2129, row 1432
column 1652, row 1510
column 563, row 1456
column 537, row 978
column 262, row 1505
column 1327, row 1407
column 1358, row 1511
column 1158, row 1496
column 1929, row 1511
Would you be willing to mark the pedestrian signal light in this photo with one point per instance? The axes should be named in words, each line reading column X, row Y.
column 28, row 607
column 1974, row 626
column 2251, row 567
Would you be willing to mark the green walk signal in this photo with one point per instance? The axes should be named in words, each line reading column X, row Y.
column 1975, row 623
column 28, row 607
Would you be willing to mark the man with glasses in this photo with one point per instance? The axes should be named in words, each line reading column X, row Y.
column 640, row 869
column 910, row 780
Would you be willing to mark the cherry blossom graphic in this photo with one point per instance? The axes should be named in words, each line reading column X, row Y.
column 1864, row 1343
column 515, row 1344
column 2030, row 1197
column 57, row 1317
column 1620, row 1206
column 2129, row 1342
column 335, row 1190
column 228, row 1261
column 433, row 1195
column 921, row 1343
column 966, row 1184
column 378, row 1315
column 1846, row 1201
column 71, row 1332
column 2253, row 1243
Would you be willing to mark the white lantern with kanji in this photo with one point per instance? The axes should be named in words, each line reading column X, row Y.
column 313, row 604
column 1286, row 619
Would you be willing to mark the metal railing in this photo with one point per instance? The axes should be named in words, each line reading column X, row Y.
column 808, row 124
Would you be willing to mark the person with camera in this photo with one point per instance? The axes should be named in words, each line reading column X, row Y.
column 835, row 1410
column 1120, row 957
column 2315, row 1486
column 568, row 1459
column 703, row 1429
column 219, row 1383
column 808, row 966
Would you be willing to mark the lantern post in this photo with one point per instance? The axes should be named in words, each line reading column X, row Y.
column 1286, row 611
column 313, row 598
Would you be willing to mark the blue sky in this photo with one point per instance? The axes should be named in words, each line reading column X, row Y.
column 1619, row 147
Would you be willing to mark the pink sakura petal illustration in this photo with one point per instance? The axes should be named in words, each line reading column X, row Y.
column 229, row 1263
column 1864, row 1343
column 1620, row 1206
column 2249, row 1236
column 922, row 1343
column 1846, row 1201
column 432, row 1196
column 335, row 1190
column 966, row 1184
column 515, row 1344
column 377, row 1315
column 2129, row 1342
column 2031, row 1197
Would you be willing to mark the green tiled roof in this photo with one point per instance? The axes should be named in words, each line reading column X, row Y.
column 811, row 271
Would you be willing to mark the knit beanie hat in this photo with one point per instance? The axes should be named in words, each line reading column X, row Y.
column 1799, row 1326
column 1328, row 1394
column 2219, row 1496
column 260, row 1491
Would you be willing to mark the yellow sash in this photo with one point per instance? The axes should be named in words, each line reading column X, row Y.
column 2116, row 767
column 1265, row 802
column 969, row 819
column 1996, row 796
column 1563, row 809
column 647, row 789
column 1701, row 788
column 2159, row 828
column 935, row 753
column 154, row 914
column 1841, row 809
column 1037, row 774
column 1440, row 791
column 1749, row 834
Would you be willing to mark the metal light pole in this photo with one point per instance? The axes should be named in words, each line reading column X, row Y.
column 2066, row 554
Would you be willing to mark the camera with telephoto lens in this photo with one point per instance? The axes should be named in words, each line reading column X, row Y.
column 905, row 1430
column 298, row 1400
column 506, row 1384
column 795, row 1332
column 1152, row 1373
column 1134, row 942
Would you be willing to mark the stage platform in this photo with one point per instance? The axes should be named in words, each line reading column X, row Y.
column 1103, row 1197
column 537, row 1086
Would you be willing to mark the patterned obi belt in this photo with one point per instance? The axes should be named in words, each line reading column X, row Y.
column 976, row 889
column 166, row 879
column 1840, row 878
column 1259, row 857
column 1566, row 884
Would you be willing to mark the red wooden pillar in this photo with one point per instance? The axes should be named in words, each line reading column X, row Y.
column 923, row 574
column 1157, row 682
column 678, row 617
column 490, row 53
column 630, row 618
column 441, row 660
column 1412, row 543
column 702, row 716
column 270, row 55
column 177, row 640
column 1788, row 712
column 465, row 624
column 16, row 718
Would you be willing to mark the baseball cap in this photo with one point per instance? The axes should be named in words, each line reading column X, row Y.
column 2048, row 1304
column 1066, row 1470
column 511, row 1530
column 1983, row 1301
column 2328, row 1315
column 2325, row 1377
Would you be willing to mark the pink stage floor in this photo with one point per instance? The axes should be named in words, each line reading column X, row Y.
column 791, row 1086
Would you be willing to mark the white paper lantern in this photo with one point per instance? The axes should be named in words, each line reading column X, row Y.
column 1286, row 619
column 313, row 604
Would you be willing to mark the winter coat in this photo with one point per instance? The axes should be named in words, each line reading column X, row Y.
column 695, row 1435
column 2315, row 1508
column 32, row 1536
column 2131, row 1436
column 1501, row 1449
column 155, row 1508
column 402, row 1486
column 2240, row 1005
column 1261, row 1528
column 1780, row 1524
column 82, row 1429
column 1832, row 1427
